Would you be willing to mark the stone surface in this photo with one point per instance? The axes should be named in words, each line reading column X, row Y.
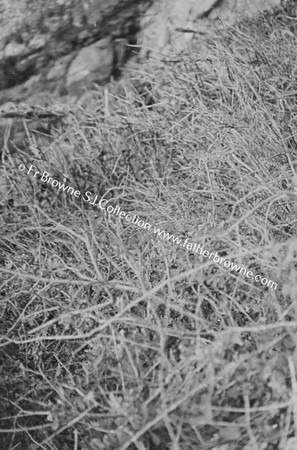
column 50, row 45
column 166, row 25
column 14, row 50
column 58, row 70
column 34, row 34
column 93, row 64
column 164, row 18
column 37, row 42
column 230, row 11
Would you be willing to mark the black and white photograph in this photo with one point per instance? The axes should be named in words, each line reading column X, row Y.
column 148, row 224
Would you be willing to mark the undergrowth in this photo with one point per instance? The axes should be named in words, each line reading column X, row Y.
column 113, row 338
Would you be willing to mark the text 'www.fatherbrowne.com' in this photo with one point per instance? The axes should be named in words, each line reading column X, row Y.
column 102, row 202
column 193, row 247
column 196, row 248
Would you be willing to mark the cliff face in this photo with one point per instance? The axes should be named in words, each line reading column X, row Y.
column 41, row 38
column 172, row 24
column 63, row 46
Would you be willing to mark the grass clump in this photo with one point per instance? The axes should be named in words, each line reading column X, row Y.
column 113, row 338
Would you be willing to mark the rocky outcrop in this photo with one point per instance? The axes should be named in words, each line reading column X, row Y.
column 164, row 23
column 52, row 48
column 170, row 25
column 41, row 39
column 231, row 11
column 92, row 64
column 64, row 46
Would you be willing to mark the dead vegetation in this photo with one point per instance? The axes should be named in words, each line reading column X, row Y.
column 113, row 339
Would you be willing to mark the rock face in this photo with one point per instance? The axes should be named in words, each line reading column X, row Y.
column 59, row 47
column 164, row 23
column 62, row 46
column 42, row 37
column 230, row 11
column 92, row 64
column 167, row 24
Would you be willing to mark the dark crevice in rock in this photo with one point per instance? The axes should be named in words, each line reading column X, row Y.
column 48, row 36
